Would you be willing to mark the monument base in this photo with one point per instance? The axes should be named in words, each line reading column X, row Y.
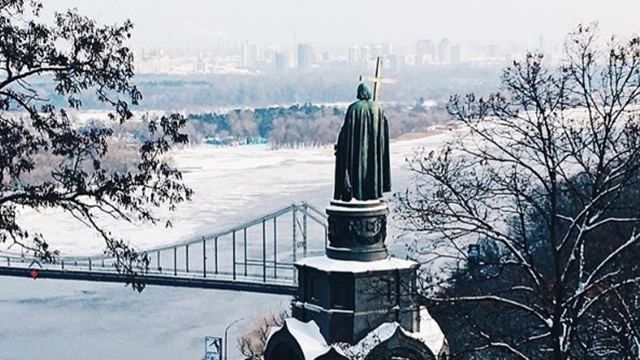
column 356, row 299
column 357, row 230
column 347, row 298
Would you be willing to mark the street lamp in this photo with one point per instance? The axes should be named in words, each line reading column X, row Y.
column 225, row 336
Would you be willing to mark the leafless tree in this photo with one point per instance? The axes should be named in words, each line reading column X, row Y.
column 253, row 343
column 539, row 192
column 71, row 58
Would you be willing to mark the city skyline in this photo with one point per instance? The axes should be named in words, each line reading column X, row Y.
column 252, row 58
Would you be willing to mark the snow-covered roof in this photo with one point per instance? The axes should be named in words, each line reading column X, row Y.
column 430, row 334
column 327, row 264
column 360, row 350
column 313, row 344
column 308, row 336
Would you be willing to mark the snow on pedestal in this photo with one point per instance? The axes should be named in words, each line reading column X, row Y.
column 323, row 263
column 348, row 298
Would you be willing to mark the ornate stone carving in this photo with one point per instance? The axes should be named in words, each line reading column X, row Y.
column 357, row 231
column 370, row 231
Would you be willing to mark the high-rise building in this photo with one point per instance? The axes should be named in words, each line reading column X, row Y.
column 305, row 56
column 383, row 49
column 364, row 54
column 249, row 54
column 326, row 57
column 375, row 50
column 281, row 61
column 267, row 54
column 444, row 51
column 395, row 62
column 354, row 55
column 200, row 65
column 425, row 52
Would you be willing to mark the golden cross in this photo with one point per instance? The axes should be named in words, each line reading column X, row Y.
column 377, row 80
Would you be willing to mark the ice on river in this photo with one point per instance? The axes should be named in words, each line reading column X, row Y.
column 231, row 184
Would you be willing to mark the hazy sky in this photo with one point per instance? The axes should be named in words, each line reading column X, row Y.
column 200, row 23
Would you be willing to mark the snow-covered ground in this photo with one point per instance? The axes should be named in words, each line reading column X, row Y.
column 47, row 319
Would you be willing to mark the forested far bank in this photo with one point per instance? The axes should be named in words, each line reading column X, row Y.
column 288, row 127
column 204, row 92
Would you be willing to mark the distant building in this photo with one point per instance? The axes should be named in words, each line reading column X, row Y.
column 305, row 56
column 444, row 51
column 267, row 54
column 364, row 54
column 249, row 55
column 361, row 55
column 281, row 61
column 375, row 51
column 425, row 52
column 383, row 49
column 200, row 66
column 395, row 63
column 326, row 57
column 354, row 55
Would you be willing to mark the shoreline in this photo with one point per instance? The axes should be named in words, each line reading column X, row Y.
column 416, row 135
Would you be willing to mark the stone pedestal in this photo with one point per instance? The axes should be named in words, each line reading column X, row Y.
column 347, row 298
column 352, row 292
column 356, row 286
column 357, row 230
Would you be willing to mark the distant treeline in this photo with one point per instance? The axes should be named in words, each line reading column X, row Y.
column 303, row 125
column 315, row 86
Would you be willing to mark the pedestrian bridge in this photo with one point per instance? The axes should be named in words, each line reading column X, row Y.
column 255, row 256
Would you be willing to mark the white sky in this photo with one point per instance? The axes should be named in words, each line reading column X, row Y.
column 201, row 23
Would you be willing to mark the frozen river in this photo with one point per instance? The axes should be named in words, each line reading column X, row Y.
column 49, row 319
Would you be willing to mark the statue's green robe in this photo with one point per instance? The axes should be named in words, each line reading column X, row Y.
column 362, row 152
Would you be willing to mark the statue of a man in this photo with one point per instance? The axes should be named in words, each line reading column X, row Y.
column 362, row 151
